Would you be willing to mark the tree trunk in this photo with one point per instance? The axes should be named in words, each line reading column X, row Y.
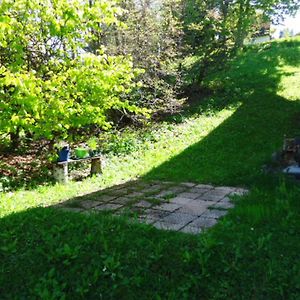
column 15, row 140
column 241, row 33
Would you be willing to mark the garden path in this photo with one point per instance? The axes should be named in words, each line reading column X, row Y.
column 186, row 207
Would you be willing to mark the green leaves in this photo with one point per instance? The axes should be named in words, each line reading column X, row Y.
column 49, row 84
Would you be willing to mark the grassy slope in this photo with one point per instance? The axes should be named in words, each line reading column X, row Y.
column 262, row 86
column 254, row 253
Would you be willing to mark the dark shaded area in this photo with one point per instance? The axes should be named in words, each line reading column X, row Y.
column 253, row 253
column 233, row 154
column 25, row 167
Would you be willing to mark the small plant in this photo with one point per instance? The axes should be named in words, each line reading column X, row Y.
column 92, row 143
column 93, row 146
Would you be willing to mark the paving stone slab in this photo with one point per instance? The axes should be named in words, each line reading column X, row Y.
column 105, row 198
column 145, row 221
column 165, row 194
column 210, row 197
column 152, row 189
column 225, row 189
column 72, row 209
column 205, row 186
column 155, row 214
column 191, row 229
column 189, row 195
column 168, row 183
column 96, row 197
column 87, row 204
column 122, row 200
column 188, row 184
column 119, row 192
column 217, row 193
column 135, row 195
column 240, row 192
column 225, row 199
column 178, row 218
column 199, row 191
column 129, row 211
column 143, row 204
column 177, row 189
column 203, row 223
column 168, row 206
column 180, row 200
column 214, row 213
column 107, row 206
column 167, row 226
column 142, row 184
column 223, row 205
column 195, row 208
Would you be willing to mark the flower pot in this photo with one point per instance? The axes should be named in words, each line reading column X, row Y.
column 81, row 152
column 64, row 154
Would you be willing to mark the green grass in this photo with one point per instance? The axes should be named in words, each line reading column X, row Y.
column 253, row 253
column 261, row 90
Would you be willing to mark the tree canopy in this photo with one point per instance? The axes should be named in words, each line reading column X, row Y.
column 67, row 66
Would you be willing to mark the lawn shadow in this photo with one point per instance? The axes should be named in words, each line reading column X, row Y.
column 234, row 152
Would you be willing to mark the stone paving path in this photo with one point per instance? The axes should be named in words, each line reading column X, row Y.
column 185, row 207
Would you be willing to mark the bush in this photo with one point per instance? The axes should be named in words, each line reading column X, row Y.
column 50, row 84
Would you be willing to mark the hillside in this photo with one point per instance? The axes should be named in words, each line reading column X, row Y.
column 252, row 253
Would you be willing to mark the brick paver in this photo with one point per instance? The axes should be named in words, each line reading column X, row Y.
column 186, row 207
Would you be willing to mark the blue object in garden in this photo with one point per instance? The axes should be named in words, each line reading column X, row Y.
column 293, row 170
column 64, row 154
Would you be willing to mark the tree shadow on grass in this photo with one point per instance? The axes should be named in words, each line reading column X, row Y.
column 48, row 253
column 233, row 153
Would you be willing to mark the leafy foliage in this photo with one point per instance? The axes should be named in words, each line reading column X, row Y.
column 50, row 85
column 152, row 36
column 252, row 253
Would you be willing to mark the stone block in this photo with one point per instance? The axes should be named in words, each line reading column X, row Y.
column 118, row 192
column 204, row 186
column 210, row 197
column 72, row 209
column 168, row 207
column 177, row 189
column 143, row 204
column 199, row 191
column 240, row 192
column 155, row 214
column 167, row 226
column 105, row 198
column 87, row 204
column 203, row 223
column 135, row 195
column 178, row 218
column 189, row 195
column 122, row 200
column 165, row 194
column 223, row 205
column 195, row 208
column 213, row 213
column 191, row 229
column 180, row 200
column 107, row 206
column 224, row 189
column 188, row 184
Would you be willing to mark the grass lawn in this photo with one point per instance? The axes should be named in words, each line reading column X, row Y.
column 253, row 253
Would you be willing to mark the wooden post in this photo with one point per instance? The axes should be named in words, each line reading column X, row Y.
column 96, row 167
column 60, row 173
